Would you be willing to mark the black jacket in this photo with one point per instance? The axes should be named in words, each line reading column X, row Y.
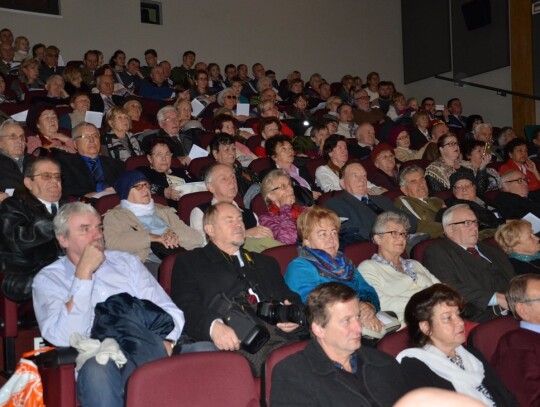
column 310, row 378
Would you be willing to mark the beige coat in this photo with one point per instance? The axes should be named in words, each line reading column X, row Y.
column 124, row 232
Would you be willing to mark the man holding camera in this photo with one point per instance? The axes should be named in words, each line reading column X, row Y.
column 220, row 286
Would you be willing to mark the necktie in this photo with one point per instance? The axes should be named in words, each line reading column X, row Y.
column 108, row 103
column 371, row 205
column 97, row 174
column 54, row 209
column 473, row 251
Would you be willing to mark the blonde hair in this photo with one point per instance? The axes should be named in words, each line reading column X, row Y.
column 313, row 216
column 509, row 234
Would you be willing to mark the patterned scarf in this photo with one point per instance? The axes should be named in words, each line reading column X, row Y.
column 339, row 267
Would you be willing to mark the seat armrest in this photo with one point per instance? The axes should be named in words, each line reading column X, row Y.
column 57, row 357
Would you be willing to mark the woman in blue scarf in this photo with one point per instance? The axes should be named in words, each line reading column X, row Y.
column 319, row 261
column 517, row 239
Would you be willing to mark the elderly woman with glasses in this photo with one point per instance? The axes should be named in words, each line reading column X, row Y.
column 319, row 261
column 517, row 239
column 227, row 98
column 42, row 120
column 283, row 211
column 449, row 161
column 394, row 278
column 144, row 228
column 400, row 140
column 437, row 357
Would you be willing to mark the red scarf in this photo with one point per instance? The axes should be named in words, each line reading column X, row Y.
column 296, row 210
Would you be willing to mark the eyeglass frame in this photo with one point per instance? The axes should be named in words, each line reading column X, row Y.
column 519, row 180
column 395, row 234
column 47, row 176
column 467, row 223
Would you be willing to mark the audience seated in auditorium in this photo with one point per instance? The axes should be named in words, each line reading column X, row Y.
column 474, row 151
column 119, row 143
column 384, row 100
column 56, row 94
column 357, row 207
column 226, row 124
column 438, row 358
column 223, row 267
column 515, row 201
column 517, row 239
column 80, row 103
column 42, row 121
column 420, row 135
column 516, row 358
column 220, row 180
column 283, row 211
column 73, row 80
column 87, row 173
column 13, row 158
column 335, row 369
column 144, row 228
column 126, row 292
column 139, row 123
column 363, row 113
column 8, row 65
column 156, row 86
column 312, row 146
column 415, row 200
column 89, row 66
column 477, row 270
column 400, row 140
column 183, row 75
column 394, row 278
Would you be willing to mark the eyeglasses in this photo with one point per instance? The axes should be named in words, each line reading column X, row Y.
column 162, row 155
column 47, row 176
column 170, row 119
column 463, row 187
column 282, row 187
column 467, row 223
column 530, row 300
column 362, row 98
column 14, row 137
column 229, row 97
column 519, row 180
column 451, row 144
column 395, row 234
column 141, row 185
column 88, row 137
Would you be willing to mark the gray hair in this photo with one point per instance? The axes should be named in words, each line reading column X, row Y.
column 61, row 220
column 31, row 167
column 506, row 176
column 267, row 183
column 481, row 126
column 222, row 94
column 409, row 170
column 448, row 215
column 52, row 78
column 210, row 172
column 161, row 112
column 262, row 81
column 517, row 291
column 78, row 129
column 8, row 122
column 502, row 137
column 380, row 222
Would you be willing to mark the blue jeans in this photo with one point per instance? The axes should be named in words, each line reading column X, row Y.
column 103, row 385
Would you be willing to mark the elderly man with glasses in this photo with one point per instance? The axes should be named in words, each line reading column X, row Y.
column 88, row 173
column 515, row 201
column 517, row 357
column 477, row 270
column 13, row 158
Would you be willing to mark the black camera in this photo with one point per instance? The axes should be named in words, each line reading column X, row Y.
column 242, row 319
column 274, row 312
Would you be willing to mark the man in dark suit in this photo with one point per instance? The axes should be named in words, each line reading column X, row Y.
column 514, row 200
column 477, row 270
column 334, row 369
column 105, row 99
column 13, row 158
column 359, row 208
column 517, row 357
column 49, row 65
column 223, row 266
column 455, row 120
column 28, row 243
column 88, row 173
column 365, row 135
